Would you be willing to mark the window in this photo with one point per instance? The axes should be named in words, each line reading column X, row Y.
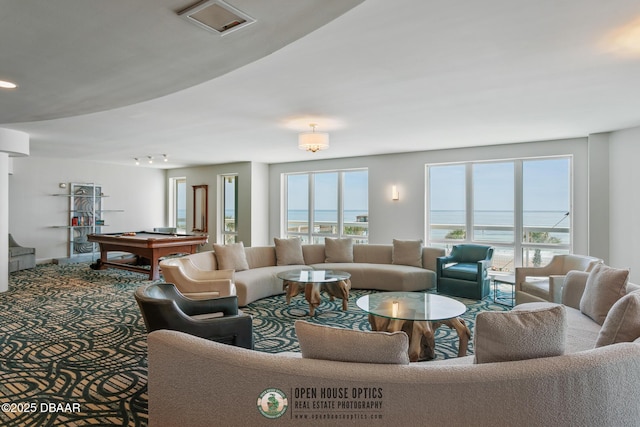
column 229, row 226
column 521, row 207
column 327, row 204
column 178, row 203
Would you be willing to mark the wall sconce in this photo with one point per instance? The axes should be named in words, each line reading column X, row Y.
column 394, row 193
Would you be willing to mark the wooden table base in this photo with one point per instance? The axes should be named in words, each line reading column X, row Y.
column 422, row 334
column 312, row 291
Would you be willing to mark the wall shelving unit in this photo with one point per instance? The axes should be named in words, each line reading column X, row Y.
column 86, row 216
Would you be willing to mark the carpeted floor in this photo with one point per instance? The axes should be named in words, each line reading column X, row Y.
column 73, row 343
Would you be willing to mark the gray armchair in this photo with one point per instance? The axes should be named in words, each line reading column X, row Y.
column 20, row 257
column 218, row 319
column 465, row 271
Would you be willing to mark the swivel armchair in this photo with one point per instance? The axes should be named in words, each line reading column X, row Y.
column 541, row 284
column 464, row 272
column 197, row 283
column 163, row 307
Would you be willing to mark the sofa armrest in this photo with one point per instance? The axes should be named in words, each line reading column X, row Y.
column 573, row 288
column 556, row 283
column 430, row 256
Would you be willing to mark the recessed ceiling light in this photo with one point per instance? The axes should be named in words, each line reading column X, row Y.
column 7, row 85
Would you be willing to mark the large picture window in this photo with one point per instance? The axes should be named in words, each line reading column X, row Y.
column 327, row 204
column 521, row 207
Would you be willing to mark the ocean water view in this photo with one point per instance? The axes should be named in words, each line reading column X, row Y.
column 489, row 225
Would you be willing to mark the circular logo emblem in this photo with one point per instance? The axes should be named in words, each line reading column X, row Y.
column 272, row 403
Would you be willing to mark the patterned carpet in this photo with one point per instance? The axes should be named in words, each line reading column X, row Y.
column 273, row 321
column 73, row 343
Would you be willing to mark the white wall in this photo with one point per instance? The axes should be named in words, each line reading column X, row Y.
column 33, row 210
column 624, row 198
column 252, row 210
column 404, row 219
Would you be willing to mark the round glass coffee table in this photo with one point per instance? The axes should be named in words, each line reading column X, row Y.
column 336, row 283
column 419, row 314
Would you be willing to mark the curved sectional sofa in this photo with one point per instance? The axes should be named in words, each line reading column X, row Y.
column 592, row 384
column 373, row 267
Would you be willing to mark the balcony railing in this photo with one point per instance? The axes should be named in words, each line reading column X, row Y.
column 359, row 230
column 538, row 245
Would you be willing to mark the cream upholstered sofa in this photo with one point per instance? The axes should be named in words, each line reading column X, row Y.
column 586, row 386
column 372, row 266
column 196, row 382
column 539, row 284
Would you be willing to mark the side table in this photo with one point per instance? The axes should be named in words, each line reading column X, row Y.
column 506, row 279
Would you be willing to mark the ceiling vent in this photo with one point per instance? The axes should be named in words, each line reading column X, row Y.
column 216, row 16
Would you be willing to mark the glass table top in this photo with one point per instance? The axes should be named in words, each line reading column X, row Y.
column 313, row 276
column 411, row 306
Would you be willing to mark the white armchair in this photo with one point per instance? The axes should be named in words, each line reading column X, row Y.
column 535, row 284
column 197, row 283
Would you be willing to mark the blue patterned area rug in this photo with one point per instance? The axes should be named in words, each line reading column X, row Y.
column 73, row 347
column 273, row 321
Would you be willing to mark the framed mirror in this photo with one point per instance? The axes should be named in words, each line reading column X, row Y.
column 200, row 208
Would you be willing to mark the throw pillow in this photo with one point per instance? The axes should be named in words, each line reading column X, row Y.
column 407, row 252
column 520, row 334
column 622, row 323
column 289, row 251
column 338, row 250
column 348, row 345
column 605, row 285
column 231, row 257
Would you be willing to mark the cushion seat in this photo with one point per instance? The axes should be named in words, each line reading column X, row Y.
column 20, row 250
column 462, row 271
column 539, row 288
column 383, row 276
column 261, row 282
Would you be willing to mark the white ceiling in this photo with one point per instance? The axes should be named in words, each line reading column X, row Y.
column 113, row 80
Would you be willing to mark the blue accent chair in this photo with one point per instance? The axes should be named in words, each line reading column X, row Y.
column 465, row 271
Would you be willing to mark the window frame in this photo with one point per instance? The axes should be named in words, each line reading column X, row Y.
column 172, row 211
column 309, row 236
column 519, row 246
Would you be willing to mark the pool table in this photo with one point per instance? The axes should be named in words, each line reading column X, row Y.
column 146, row 246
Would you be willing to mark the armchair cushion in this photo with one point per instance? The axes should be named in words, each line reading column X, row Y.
column 407, row 252
column 231, row 257
column 348, row 345
column 605, row 285
column 462, row 270
column 338, row 250
column 520, row 334
column 622, row 323
column 289, row 251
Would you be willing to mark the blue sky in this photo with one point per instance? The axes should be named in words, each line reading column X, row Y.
column 545, row 183
column 356, row 193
